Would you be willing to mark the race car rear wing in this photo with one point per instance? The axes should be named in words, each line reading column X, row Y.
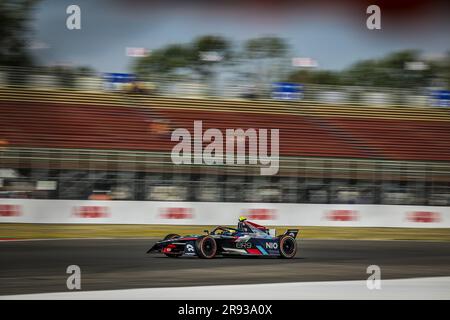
column 292, row 232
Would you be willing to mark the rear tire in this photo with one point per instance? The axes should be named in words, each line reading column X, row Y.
column 288, row 247
column 206, row 247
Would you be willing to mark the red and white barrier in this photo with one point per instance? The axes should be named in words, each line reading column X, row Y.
column 214, row 213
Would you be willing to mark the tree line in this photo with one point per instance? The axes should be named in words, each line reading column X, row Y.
column 269, row 58
column 260, row 60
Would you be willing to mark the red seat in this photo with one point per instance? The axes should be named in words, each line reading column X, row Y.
column 51, row 125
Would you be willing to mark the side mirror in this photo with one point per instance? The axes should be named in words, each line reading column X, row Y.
column 206, row 231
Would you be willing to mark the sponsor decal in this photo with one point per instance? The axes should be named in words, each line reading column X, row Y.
column 91, row 212
column 176, row 213
column 261, row 214
column 271, row 245
column 10, row 210
column 342, row 215
column 424, row 216
column 189, row 249
column 243, row 245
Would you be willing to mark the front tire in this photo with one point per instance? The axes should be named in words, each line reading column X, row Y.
column 206, row 247
column 288, row 247
column 173, row 236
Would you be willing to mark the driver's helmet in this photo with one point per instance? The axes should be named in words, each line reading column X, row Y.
column 241, row 224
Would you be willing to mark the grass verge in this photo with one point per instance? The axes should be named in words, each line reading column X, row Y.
column 56, row 231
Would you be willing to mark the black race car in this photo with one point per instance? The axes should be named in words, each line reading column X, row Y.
column 249, row 239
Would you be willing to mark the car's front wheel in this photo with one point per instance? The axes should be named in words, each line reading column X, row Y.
column 288, row 247
column 171, row 236
column 175, row 254
column 206, row 247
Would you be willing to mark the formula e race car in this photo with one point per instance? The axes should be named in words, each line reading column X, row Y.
column 249, row 239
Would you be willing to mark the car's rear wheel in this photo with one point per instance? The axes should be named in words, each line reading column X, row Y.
column 206, row 247
column 288, row 247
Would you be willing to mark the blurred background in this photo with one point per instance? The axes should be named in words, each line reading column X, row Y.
column 363, row 114
column 86, row 117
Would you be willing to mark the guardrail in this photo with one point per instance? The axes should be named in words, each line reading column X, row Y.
column 79, row 172
column 140, row 160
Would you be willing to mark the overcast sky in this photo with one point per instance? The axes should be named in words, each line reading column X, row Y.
column 333, row 34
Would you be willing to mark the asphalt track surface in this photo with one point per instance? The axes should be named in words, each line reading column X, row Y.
column 108, row 264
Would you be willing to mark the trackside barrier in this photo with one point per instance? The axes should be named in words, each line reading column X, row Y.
column 214, row 213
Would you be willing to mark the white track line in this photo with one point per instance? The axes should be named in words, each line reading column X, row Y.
column 415, row 288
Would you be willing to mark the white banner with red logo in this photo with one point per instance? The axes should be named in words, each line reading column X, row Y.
column 215, row 213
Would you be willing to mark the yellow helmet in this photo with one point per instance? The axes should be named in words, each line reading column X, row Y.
column 242, row 218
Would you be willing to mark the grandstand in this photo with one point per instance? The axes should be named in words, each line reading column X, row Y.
column 94, row 142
